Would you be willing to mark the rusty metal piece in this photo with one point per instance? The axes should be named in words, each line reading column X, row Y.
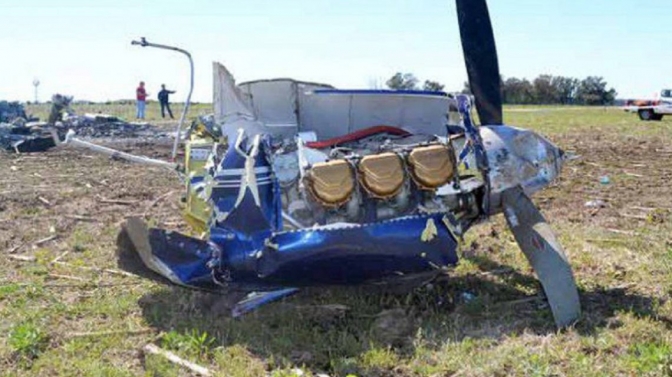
column 331, row 183
column 432, row 166
column 382, row 175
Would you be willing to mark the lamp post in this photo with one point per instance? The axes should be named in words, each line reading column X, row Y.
column 36, row 83
column 143, row 42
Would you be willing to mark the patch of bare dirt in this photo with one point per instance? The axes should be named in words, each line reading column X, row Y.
column 56, row 192
column 626, row 178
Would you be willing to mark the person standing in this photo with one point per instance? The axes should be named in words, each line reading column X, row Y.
column 141, row 97
column 163, row 100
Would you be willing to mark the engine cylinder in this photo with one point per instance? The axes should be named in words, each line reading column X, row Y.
column 431, row 167
column 331, row 183
column 382, row 175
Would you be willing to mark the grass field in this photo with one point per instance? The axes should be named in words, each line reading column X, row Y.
column 65, row 310
column 124, row 111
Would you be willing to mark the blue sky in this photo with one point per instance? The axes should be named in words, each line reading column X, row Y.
column 82, row 48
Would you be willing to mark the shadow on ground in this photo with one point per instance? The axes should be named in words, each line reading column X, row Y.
column 325, row 329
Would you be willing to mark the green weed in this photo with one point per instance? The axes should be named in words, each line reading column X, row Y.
column 28, row 340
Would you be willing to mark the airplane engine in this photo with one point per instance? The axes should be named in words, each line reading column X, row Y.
column 370, row 180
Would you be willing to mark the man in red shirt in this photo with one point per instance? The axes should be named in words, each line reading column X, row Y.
column 141, row 97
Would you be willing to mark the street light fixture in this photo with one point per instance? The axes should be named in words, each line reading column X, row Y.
column 143, row 43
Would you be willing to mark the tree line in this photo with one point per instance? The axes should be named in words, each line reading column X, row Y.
column 557, row 90
column 543, row 90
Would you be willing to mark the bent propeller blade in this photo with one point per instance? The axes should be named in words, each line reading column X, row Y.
column 537, row 241
column 480, row 57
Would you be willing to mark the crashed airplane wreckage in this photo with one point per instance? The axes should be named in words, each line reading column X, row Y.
column 299, row 184
column 18, row 132
column 22, row 134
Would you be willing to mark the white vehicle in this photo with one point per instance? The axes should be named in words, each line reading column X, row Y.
column 652, row 109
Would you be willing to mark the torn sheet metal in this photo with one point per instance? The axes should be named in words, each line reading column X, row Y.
column 518, row 157
column 356, row 254
column 23, row 139
column 180, row 259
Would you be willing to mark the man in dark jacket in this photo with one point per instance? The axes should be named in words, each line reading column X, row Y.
column 163, row 100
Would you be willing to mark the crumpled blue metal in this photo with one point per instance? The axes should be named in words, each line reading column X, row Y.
column 186, row 257
column 355, row 254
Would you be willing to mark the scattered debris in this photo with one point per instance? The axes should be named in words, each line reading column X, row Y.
column 499, row 271
column 10, row 111
column 41, row 242
column 80, row 218
column 605, row 180
column 60, row 256
column 20, row 133
column 66, row 277
column 154, row 350
column 633, row 174
column 119, row 202
column 638, row 217
column 108, row 270
column 60, row 106
column 16, row 248
column 22, row 258
column 595, row 203
column 104, row 125
column 606, row 240
column 626, row 232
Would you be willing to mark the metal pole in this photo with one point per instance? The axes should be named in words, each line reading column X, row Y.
column 70, row 139
column 142, row 42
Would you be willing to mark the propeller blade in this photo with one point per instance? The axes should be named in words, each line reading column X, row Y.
column 480, row 57
column 543, row 251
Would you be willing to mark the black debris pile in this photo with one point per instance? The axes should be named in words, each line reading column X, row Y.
column 95, row 125
column 19, row 133
column 21, row 138
column 11, row 112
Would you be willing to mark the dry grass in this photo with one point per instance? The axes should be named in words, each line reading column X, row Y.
column 622, row 256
